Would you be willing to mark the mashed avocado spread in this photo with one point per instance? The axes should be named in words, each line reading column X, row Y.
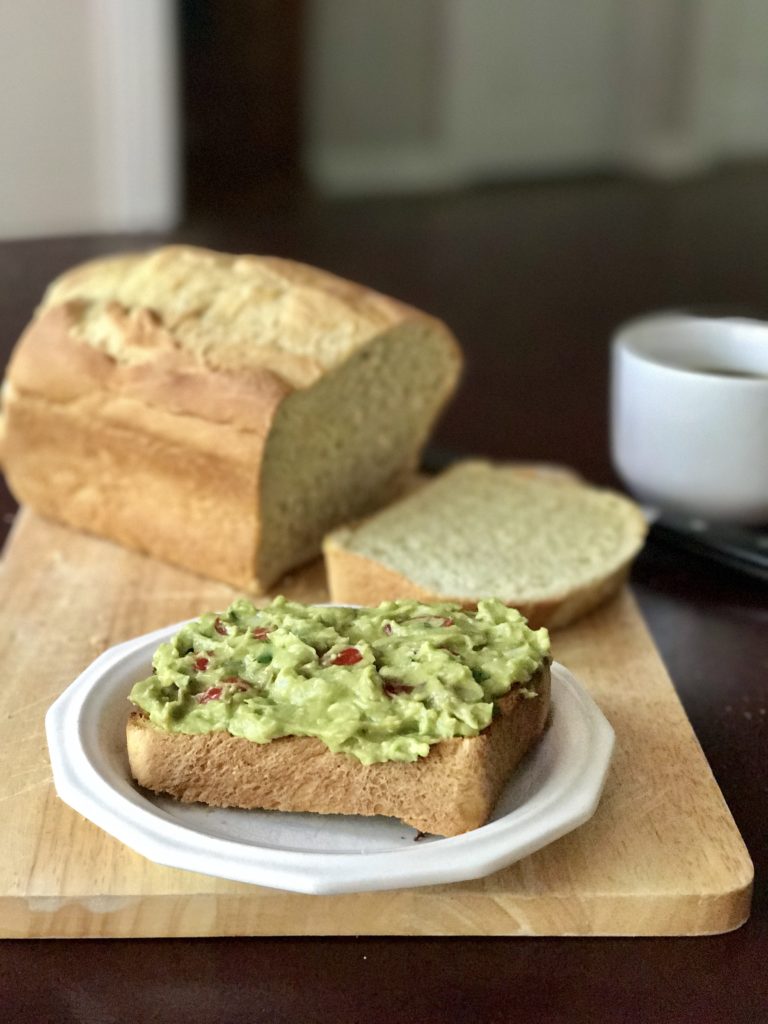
column 381, row 684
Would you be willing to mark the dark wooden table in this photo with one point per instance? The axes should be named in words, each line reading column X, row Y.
column 533, row 279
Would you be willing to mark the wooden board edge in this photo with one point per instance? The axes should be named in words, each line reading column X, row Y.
column 376, row 914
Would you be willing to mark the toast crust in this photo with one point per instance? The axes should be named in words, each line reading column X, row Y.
column 451, row 790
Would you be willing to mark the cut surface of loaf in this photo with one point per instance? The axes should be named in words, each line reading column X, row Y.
column 552, row 548
column 452, row 790
column 219, row 412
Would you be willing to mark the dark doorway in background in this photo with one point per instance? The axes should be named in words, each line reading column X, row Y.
column 241, row 79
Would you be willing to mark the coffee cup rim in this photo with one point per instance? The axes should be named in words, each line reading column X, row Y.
column 629, row 339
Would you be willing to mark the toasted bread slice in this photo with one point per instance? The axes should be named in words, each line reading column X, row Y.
column 452, row 790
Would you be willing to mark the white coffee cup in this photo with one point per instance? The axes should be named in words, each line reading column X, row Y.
column 689, row 415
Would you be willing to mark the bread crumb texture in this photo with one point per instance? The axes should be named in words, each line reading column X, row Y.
column 481, row 529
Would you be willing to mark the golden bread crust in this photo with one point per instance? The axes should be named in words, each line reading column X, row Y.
column 229, row 312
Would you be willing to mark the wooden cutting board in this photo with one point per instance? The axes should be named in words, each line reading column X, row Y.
column 662, row 855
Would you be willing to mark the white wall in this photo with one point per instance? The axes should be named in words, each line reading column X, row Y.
column 430, row 93
column 743, row 74
column 88, row 116
column 525, row 88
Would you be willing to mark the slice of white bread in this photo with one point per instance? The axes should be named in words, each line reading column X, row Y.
column 451, row 790
column 549, row 546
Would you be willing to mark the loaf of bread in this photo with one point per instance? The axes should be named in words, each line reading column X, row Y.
column 403, row 711
column 551, row 547
column 219, row 412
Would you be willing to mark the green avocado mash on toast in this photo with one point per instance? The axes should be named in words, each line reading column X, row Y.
column 381, row 684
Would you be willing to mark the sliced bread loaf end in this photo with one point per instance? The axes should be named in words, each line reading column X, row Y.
column 552, row 548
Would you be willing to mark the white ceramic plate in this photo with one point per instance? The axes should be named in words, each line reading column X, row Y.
column 556, row 789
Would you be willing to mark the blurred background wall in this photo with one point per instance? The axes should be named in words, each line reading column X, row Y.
column 120, row 115
column 447, row 92
column 89, row 118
